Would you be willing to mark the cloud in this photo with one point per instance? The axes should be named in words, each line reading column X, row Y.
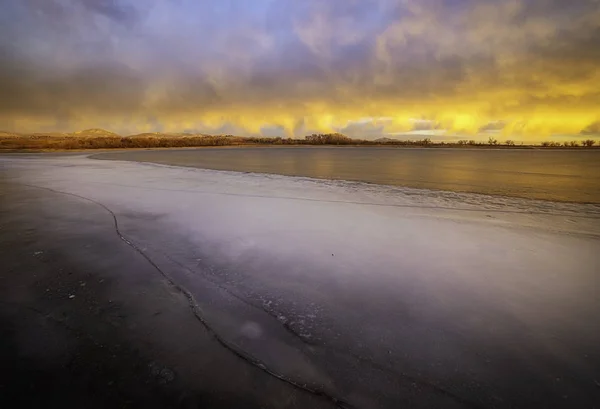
column 523, row 67
column 367, row 128
column 592, row 129
column 425, row 125
column 101, row 88
column 494, row 126
column 116, row 10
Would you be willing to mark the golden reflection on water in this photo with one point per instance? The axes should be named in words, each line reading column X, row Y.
column 539, row 174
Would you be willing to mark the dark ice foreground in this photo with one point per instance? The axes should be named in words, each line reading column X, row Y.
column 246, row 290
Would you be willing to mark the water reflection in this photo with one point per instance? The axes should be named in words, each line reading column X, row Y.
column 539, row 174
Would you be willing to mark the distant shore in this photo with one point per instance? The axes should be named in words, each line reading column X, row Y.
column 98, row 140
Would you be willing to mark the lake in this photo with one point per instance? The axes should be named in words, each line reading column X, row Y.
column 558, row 175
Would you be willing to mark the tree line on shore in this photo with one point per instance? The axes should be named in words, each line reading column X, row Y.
column 42, row 142
column 588, row 143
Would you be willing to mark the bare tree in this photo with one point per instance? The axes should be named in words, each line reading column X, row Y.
column 588, row 143
column 510, row 142
column 328, row 139
column 492, row 141
column 551, row 144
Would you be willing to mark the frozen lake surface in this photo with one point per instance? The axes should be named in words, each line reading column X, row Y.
column 558, row 175
column 381, row 296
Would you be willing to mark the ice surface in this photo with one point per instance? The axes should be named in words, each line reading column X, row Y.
column 368, row 290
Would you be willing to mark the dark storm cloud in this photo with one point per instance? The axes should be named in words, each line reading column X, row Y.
column 100, row 87
column 301, row 65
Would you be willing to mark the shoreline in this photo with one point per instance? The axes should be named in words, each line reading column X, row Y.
column 448, row 146
column 97, row 155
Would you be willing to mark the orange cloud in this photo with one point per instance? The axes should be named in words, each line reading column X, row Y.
column 302, row 66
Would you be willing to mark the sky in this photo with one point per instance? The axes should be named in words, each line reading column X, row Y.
column 520, row 69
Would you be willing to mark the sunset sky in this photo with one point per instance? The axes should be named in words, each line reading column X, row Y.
column 524, row 69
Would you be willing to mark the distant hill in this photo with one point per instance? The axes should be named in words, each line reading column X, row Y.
column 8, row 134
column 166, row 135
column 145, row 135
column 380, row 140
column 95, row 133
column 86, row 133
column 52, row 134
column 103, row 133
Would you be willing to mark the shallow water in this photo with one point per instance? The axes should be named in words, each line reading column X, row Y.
column 559, row 175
